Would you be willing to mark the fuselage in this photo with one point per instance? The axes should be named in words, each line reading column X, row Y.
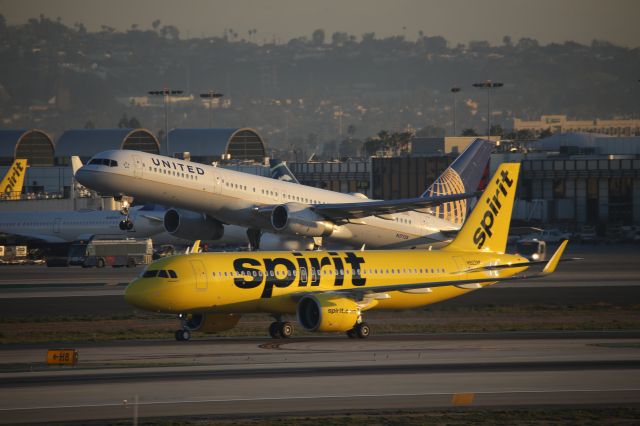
column 271, row 281
column 235, row 198
column 68, row 226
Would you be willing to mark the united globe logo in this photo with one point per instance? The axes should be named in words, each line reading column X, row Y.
column 449, row 183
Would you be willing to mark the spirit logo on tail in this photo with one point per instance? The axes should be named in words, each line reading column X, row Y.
column 484, row 230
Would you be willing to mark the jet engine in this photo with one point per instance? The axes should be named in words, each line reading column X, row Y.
column 210, row 323
column 192, row 226
column 325, row 312
column 299, row 219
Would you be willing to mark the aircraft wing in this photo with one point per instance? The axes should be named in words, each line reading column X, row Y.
column 152, row 218
column 366, row 292
column 344, row 211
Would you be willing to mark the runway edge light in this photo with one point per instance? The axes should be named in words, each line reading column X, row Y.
column 62, row 357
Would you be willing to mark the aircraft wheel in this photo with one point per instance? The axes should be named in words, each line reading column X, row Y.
column 274, row 330
column 286, row 330
column 183, row 335
column 351, row 334
column 362, row 330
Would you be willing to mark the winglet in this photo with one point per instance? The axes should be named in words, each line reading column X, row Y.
column 76, row 163
column 553, row 262
column 195, row 248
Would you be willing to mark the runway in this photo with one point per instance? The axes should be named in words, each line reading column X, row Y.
column 225, row 377
column 322, row 374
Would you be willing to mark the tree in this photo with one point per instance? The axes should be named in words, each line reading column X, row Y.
column 339, row 39
column 496, row 130
column 351, row 130
column 124, row 122
column 155, row 25
column 469, row 132
column 317, row 38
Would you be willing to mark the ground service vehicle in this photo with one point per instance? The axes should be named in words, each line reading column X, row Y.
column 533, row 249
column 331, row 290
column 97, row 252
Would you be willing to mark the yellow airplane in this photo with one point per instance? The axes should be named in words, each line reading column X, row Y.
column 330, row 290
column 11, row 185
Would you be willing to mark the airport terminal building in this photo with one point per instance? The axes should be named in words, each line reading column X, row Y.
column 569, row 179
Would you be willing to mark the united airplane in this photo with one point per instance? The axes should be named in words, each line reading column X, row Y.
column 264, row 204
column 332, row 290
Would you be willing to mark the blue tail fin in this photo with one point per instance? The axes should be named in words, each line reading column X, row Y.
column 463, row 175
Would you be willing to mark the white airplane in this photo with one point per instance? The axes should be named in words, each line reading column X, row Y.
column 68, row 226
column 264, row 204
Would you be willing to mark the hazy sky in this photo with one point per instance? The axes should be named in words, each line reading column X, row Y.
column 459, row 21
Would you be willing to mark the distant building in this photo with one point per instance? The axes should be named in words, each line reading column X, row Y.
column 560, row 124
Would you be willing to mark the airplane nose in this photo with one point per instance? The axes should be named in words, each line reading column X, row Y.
column 134, row 295
column 84, row 177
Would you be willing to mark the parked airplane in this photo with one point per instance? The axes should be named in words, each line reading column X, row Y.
column 330, row 290
column 259, row 203
column 68, row 226
column 11, row 185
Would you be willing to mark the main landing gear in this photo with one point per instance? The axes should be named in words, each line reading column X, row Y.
column 361, row 331
column 182, row 335
column 280, row 329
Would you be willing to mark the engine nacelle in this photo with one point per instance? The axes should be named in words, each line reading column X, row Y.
column 299, row 219
column 192, row 226
column 210, row 323
column 325, row 312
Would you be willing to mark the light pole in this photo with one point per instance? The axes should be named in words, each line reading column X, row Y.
column 166, row 93
column 488, row 85
column 454, row 90
column 211, row 95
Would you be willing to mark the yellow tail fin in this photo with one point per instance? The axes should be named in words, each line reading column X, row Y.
column 487, row 228
column 11, row 186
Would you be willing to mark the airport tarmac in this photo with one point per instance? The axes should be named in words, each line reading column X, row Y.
column 322, row 374
column 227, row 377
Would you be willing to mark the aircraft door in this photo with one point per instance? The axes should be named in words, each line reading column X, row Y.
column 56, row 225
column 217, row 184
column 200, row 274
column 137, row 166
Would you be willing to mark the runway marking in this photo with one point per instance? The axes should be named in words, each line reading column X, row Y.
column 302, row 398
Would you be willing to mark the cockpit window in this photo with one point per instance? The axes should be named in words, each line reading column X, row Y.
column 103, row 162
column 162, row 273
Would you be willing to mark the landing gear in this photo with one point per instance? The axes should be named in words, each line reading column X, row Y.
column 361, row 331
column 125, row 224
column 182, row 335
column 254, row 235
column 279, row 329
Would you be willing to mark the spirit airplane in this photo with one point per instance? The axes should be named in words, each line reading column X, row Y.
column 331, row 290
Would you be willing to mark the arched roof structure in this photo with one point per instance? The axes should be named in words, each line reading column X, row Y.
column 34, row 145
column 207, row 145
column 85, row 143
